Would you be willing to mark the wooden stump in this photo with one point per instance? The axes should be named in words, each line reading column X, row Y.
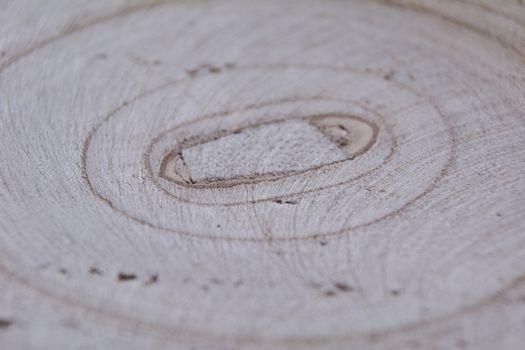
column 262, row 175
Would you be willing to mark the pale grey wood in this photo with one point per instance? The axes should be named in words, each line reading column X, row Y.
column 262, row 174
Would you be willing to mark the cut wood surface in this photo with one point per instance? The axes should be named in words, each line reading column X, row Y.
column 262, row 174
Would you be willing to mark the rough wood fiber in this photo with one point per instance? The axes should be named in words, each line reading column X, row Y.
column 262, row 174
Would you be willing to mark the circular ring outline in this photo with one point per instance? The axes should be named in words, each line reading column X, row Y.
column 91, row 188
column 244, row 180
column 388, row 129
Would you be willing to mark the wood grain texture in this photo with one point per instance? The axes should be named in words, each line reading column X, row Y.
column 262, row 174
